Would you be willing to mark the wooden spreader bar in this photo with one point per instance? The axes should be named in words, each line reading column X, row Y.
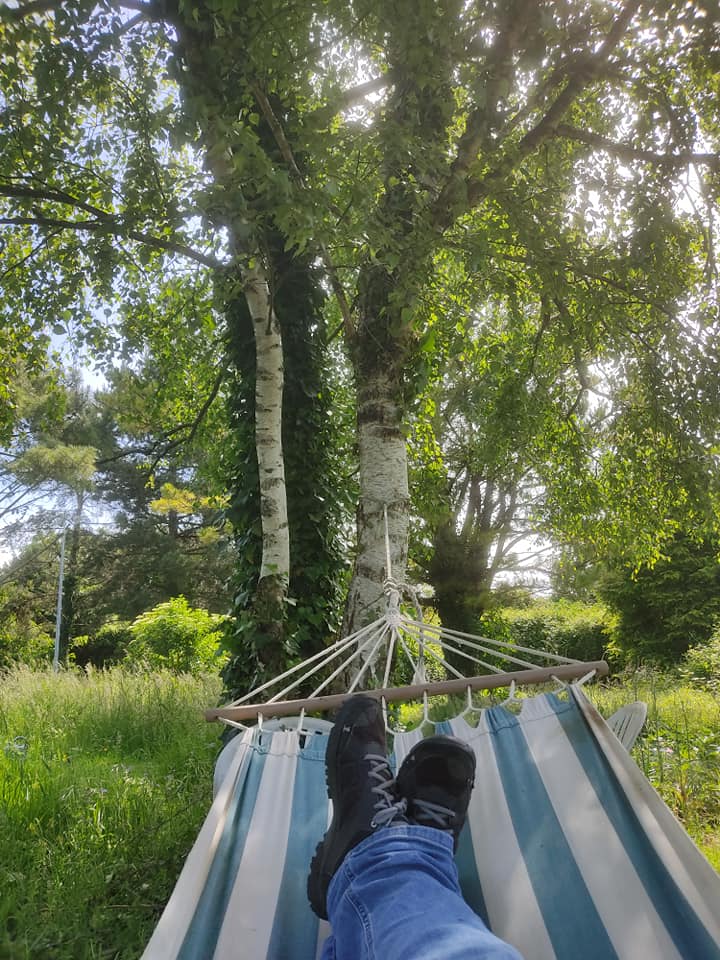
column 287, row 708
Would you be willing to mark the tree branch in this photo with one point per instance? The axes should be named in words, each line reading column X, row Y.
column 109, row 224
column 37, row 247
column 498, row 67
column 277, row 132
column 477, row 127
column 587, row 70
column 628, row 153
column 28, row 9
column 149, row 10
column 16, row 567
column 350, row 97
column 52, row 195
column 637, row 297
column 164, row 445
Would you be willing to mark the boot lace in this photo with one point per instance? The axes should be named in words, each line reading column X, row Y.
column 387, row 807
column 430, row 814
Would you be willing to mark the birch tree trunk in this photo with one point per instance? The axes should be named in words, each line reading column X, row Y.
column 275, row 565
column 269, row 603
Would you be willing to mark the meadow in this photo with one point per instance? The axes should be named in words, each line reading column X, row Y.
column 105, row 779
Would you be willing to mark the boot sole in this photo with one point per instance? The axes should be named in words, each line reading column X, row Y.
column 316, row 885
column 318, row 878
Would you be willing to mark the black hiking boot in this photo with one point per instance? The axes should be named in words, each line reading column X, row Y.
column 362, row 788
column 436, row 778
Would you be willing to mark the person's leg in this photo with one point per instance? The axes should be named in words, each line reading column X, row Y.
column 396, row 897
column 386, row 880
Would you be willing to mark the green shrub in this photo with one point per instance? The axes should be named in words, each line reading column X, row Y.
column 175, row 636
column 702, row 662
column 106, row 646
column 582, row 631
column 23, row 641
column 665, row 609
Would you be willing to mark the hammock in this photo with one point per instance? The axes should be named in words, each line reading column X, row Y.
column 567, row 850
column 566, row 844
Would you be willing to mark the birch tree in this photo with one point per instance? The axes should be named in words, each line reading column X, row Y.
column 488, row 130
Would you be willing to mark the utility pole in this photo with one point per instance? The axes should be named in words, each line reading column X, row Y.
column 58, row 615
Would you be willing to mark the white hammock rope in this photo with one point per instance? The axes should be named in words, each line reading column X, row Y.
column 457, row 634
column 395, row 637
column 392, row 637
column 444, row 636
column 329, row 653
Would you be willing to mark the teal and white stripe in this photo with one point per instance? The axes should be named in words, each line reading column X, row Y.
column 568, row 851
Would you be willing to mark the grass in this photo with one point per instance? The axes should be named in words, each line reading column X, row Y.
column 104, row 781
column 106, row 778
column 679, row 751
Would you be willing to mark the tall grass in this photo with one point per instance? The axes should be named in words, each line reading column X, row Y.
column 679, row 751
column 104, row 781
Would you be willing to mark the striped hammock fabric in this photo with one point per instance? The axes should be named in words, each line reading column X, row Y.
column 568, row 851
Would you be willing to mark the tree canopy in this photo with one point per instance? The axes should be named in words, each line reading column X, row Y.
column 526, row 191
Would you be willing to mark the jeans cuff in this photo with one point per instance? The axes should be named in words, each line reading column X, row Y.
column 423, row 836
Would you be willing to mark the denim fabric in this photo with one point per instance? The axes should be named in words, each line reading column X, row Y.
column 396, row 897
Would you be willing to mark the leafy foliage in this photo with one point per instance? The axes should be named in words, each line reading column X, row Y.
column 104, row 783
column 174, row 636
column 518, row 163
column 666, row 609
column 570, row 629
column 22, row 639
column 85, row 458
column 106, row 646
column 702, row 661
column 404, row 673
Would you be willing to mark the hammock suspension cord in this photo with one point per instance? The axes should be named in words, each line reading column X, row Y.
column 397, row 636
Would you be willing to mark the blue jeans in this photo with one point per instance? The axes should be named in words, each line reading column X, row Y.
column 396, row 897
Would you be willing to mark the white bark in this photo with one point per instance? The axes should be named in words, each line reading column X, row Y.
column 383, row 483
column 268, row 426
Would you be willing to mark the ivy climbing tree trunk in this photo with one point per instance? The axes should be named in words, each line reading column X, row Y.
column 312, row 485
column 287, row 484
column 206, row 96
column 268, row 427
